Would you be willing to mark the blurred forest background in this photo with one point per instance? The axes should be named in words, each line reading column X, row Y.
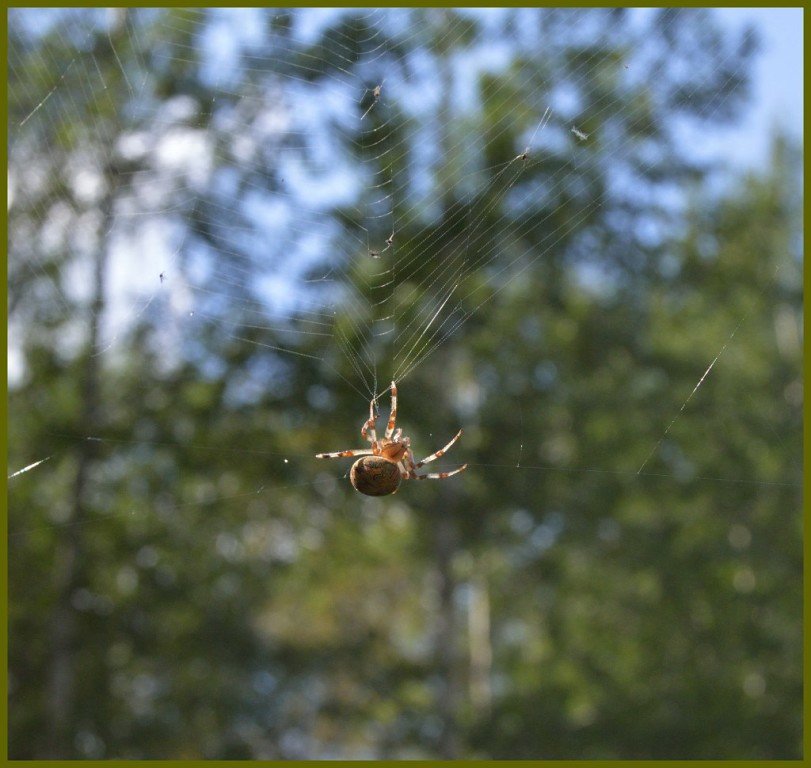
column 187, row 581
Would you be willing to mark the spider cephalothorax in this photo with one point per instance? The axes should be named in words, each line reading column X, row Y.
column 389, row 460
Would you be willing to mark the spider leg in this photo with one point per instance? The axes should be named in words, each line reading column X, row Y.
column 369, row 426
column 439, row 453
column 342, row 454
column 408, row 463
column 393, row 415
column 439, row 475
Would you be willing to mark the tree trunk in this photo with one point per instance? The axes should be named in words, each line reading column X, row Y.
column 481, row 652
column 447, row 535
column 60, row 683
column 445, row 652
column 63, row 625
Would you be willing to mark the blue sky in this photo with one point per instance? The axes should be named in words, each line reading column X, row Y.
column 777, row 96
column 778, row 83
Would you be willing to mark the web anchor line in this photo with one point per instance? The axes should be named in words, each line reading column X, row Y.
column 700, row 382
column 689, row 397
column 29, row 467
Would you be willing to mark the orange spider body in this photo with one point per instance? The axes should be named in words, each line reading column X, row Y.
column 393, row 451
column 375, row 476
column 388, row 461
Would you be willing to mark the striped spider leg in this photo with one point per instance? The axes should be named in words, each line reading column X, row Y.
column 367, row 431
column 388, row 460
column 343, row 454
column 413, row 466
column 392, row 414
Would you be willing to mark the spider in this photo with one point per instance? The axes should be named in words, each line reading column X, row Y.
column 375, row 95
column 389, row 460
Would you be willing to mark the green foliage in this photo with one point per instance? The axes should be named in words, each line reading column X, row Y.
column 214, row 592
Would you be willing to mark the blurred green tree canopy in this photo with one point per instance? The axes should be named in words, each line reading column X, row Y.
column 186, row 581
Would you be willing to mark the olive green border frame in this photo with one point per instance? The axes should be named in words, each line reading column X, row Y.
column 552, row 763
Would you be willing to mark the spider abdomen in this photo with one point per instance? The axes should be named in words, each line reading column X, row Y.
column 375, row 476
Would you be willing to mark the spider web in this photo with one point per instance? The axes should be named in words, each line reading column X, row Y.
column 323, row 136
column 329, row 202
